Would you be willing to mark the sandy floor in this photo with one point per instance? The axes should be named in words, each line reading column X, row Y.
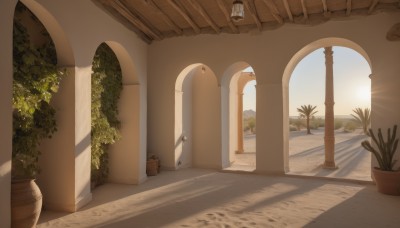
column 203, row 198
column 306, row 155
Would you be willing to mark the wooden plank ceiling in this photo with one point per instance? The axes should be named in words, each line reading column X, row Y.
column 161, row 19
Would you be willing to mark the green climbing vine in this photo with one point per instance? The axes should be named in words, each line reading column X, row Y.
column 106, row 90
column 36, row 79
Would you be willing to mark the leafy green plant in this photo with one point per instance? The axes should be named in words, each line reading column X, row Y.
column 36, row 79
column 386, row 150
column 106, row 90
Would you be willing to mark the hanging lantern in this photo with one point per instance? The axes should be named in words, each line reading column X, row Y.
column 237, row 10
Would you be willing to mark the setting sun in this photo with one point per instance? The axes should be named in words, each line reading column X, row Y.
column 364, row 93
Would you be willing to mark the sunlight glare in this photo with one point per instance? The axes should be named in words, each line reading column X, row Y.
column 364, row 93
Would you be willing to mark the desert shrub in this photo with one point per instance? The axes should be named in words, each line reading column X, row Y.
column 350, row 126
column 292, row 128
column 298, row 123
column 338, row 124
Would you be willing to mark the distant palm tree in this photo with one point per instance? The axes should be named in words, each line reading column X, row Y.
column 307, row 111
column 363, row 117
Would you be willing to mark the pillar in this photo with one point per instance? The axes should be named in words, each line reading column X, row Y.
column 6, row 72
column 240, row 122
column 125, row 155
column 329, row 112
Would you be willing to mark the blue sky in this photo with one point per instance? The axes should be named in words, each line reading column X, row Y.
column 352, row 85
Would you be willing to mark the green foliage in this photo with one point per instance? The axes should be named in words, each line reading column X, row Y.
column 363, row 117
column 36, row 79
column 307, row 112
column 386, row 150
column 106, row 90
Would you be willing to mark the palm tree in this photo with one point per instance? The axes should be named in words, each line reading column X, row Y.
column 307, row 111
column 363, row 117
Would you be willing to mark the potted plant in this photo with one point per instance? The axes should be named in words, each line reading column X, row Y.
column 387, row 179
column 36, row 78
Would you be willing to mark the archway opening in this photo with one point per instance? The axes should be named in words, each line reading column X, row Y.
column 308, row 88
column 197, row 112
column 239, row 118
column 106, row 89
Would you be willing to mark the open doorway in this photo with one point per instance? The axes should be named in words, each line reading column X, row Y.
column 307, row 89
column 242, row 96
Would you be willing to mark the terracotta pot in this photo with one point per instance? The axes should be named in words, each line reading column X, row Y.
column 26, row 203
column 388, row 182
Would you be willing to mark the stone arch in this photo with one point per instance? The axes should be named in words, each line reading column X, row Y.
column 303, row 52
column 190, row 101
column 58, row 195
column 129, row 76
column 325, row 42
column 229, row 113
column 65, row 54
column 125, row 156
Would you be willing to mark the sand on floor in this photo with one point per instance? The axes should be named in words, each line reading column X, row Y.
column 307, row 154
column 204, row 198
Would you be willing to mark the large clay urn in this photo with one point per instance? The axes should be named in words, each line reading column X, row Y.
column 388, row 182
column 26, row 203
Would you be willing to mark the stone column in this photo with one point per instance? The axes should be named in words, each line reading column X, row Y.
column 329, row 113
column 240, row 122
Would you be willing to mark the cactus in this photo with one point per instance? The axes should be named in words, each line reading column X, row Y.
column 386, row 150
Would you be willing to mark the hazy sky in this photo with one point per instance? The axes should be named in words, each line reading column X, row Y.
column 307, row 83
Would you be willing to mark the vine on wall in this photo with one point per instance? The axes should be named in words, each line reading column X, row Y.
column 106, row 90
column 36, row 79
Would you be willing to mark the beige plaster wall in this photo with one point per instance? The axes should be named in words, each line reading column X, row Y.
column 6, row 71
column 206, row 125
column 124, row 156
column 269, row 54
column 85, row 27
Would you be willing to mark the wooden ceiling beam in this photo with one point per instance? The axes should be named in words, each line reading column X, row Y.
column 289, row 13
column 222, row 7
column 184, row 15
column 274, row 10
column 252, row 8
column 134, row 19
column 303, row 6
column 348, row 7
column 164, row 17
column 372, row 6
column 204, row 14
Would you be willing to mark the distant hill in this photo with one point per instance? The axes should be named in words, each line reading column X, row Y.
column 249, row 113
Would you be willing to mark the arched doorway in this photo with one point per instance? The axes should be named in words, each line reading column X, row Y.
column 234, row 81
column 352, row 87
column 197, row 113
column 124, row 159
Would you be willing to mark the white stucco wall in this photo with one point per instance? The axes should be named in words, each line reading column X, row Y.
column 269, row 54
column 77, row 29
